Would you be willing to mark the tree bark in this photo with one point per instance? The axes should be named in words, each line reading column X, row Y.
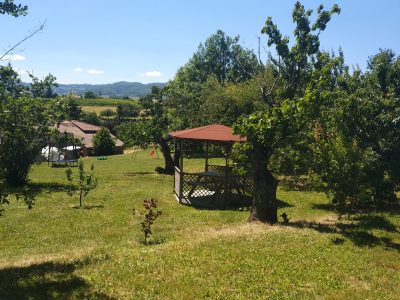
column 264, row 207
column 166, row 151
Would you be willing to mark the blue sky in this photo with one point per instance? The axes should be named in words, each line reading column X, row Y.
column 147, row 41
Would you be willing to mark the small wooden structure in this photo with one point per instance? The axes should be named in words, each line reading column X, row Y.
column 216, row 182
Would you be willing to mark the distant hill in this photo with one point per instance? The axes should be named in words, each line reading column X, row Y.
column 117, row 89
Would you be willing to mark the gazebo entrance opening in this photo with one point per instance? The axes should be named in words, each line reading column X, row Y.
column 216, row 185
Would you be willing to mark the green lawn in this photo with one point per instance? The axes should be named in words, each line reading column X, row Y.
column 57, row 252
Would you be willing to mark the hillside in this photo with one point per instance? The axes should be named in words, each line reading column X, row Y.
column 117, row 89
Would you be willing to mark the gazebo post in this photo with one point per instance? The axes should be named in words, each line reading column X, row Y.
column 206, row 166
column 181, row 175
column 181, row 156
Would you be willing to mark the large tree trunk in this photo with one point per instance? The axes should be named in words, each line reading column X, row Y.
column 169, row 162
column 264, row 207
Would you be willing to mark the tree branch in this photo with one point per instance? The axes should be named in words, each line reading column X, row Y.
column 36, row 30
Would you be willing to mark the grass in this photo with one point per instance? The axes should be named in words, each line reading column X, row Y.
column 105, row 102
column 56, row 252
column 97, row 109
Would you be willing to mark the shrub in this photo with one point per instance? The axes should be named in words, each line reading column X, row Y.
column 107, row 113
column 150, row 215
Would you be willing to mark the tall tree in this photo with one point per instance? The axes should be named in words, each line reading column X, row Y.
column 221, row 57
column 153, row 130
column 282, row 85
column 43, row 88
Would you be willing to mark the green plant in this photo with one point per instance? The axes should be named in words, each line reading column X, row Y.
column 150, row 215
column 86, row 182
column 89, row 95
column 103, row 142
column 107, row 113
column 22, row 193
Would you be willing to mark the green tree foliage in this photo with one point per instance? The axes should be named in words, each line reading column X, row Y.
column 74, row 111
column 103, row 142
column 282, row 85
column 151, row 130
column 221, row 57
column 43, row 88
column 361, row 130
column 24, row 125
column 10, row 83
column 91, row 118
column 85, row 182
column 126, row 111
column 89, row 95
column 8, row 7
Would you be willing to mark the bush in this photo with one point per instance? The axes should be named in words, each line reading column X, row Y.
column 91, row 118
column 103, row 142
column 107, row 113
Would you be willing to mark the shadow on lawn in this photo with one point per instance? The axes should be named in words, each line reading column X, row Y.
column 391, row 208
column 134, row 174
column 358, row 231
column 233, row 203
column 48, row 280
column 47, row 187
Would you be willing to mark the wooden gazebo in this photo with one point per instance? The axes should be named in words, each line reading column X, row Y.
column 216, row 183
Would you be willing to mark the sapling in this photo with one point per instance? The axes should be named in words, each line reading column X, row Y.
column 85, row 183
column 150, row 215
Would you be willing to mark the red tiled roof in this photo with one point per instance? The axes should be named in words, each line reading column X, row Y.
column 213, row 132
column 83, row 131
column 85, row 127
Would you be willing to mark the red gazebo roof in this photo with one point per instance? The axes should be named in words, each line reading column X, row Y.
column 215, row 132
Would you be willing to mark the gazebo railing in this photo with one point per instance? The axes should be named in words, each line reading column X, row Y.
column 211, row 186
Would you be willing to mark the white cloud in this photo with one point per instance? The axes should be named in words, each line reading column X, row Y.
column 151, row 74
column 78, row 69
column 14, row 57
column 95, row 71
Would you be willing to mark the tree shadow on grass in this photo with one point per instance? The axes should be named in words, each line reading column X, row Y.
column 47, row 187
column 134, row 174
column 391, row 208
column 283, row 204
column 48, row 280
column 358, row 231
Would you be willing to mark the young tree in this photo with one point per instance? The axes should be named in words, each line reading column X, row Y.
column 85, row 183
column 282, row 85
